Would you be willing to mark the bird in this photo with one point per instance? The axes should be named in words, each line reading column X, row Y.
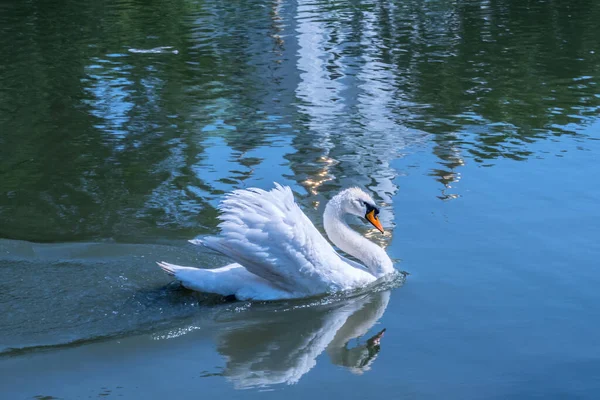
column 278, row 252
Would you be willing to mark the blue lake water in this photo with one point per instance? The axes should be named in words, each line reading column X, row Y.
column 474, row 125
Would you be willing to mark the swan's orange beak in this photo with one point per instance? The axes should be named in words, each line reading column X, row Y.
column 372, row 218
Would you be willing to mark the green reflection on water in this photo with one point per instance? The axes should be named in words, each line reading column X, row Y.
column 114, row 115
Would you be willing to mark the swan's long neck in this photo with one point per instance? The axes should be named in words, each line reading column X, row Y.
column 374, row 257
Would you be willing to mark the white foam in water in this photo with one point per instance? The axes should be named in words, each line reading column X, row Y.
column 156, row 50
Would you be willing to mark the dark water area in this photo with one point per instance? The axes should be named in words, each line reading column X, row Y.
column 474, row 124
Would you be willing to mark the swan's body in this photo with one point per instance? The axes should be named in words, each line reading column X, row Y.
column 280, row 254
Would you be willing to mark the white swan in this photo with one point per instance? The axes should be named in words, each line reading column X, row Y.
column 280, row 254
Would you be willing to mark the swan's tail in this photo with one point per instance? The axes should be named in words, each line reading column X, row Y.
column 170, row 269
column 202, row 280
column 197, row 242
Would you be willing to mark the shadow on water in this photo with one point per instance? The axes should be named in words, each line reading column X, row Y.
column 277, row 343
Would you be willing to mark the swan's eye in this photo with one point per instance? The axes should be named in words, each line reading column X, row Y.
column 371, row 207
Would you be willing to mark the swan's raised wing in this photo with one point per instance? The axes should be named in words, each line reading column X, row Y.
column 267, row 233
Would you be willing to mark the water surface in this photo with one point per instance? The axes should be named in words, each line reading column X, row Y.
column 473, row 123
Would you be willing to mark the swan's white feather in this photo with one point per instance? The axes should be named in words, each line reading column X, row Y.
column 267, row 233
column 232, row 279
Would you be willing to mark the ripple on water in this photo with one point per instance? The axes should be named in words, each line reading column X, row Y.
column 62, row 295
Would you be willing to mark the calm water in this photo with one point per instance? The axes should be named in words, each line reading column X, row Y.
column 474, row 123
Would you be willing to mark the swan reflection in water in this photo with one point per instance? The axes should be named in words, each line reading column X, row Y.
column 280, row 346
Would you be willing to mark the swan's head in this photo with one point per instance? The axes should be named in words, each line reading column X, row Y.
column 356, row 202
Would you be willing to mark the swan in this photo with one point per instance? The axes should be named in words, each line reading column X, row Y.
column 278, row 252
